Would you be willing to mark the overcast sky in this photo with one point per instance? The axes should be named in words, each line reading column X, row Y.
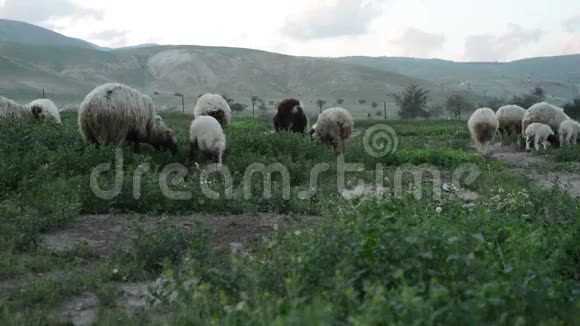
column 462, row 30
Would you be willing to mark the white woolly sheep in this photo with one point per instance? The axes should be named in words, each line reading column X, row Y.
column 510, row 119
column 482, row 126
column 568, row 132
column 215, row 106
column 9, row 108
column 39, row 109
column 538, row 133
column 207, row 136
column 116, row 114
column 547, row 114
column 44, row 108
column 333, row 128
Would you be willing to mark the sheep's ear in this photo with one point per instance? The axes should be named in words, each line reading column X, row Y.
column 36, row 110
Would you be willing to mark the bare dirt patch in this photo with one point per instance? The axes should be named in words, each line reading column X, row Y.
column 104, row 234
column 80, row 310
column 524, row 162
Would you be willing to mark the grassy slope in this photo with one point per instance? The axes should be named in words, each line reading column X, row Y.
column 511, row 259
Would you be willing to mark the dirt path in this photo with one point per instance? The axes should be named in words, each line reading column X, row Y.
column 105, row 233
column 525, row 163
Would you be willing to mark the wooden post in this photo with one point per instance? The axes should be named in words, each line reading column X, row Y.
column 385, row 106
column 183, row 104
column 253, row 109
column 43, row 96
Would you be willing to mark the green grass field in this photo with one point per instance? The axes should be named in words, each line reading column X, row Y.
column 512, row 258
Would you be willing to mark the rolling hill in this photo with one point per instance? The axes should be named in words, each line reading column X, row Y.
column 33, row 58
column 194, row 70
column 24, row 33
column 559, row 76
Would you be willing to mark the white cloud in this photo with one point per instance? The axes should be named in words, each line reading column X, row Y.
column 488, row 47
column 572, row 24
column 331, row 18
column 417, row 43
column 42, row 11
column 110, row 37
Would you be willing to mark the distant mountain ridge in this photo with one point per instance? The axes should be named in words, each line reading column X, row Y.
column 559, row 76
column 24, row 33
column 33, row 58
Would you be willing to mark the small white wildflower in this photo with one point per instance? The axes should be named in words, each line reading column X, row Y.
column 115, row 271
column 297, row 232
column 438, row 210
column 500, row 190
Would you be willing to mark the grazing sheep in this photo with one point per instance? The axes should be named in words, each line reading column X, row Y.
column 510, row 119
column 290, row 116
column 207, row 135
column 547, row 114
column 10, row 108
column 483, row 125
column 333, row 128
column 43, row 108
column 39, row 109
column 116, row 114
column 568, row 132
column 538, row 133
column 215, row 106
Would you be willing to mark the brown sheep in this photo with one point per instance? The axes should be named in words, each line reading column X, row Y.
column 290, row 116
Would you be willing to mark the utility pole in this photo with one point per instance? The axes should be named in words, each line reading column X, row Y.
column 254, row 99
column 182, row 101
column 385, row 106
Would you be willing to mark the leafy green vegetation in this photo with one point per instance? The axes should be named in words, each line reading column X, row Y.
column 512, row 258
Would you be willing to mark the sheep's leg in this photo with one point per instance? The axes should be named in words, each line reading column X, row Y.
column 190, row 152
column 537, row 143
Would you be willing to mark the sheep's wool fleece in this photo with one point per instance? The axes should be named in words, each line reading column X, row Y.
column 209, row 103
column 111, row 111
column 11, row 108
column 208, row 134
column 48, row 107
column 334, row 123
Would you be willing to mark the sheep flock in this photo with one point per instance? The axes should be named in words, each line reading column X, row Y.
column 543, row 125
column 116, row 114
